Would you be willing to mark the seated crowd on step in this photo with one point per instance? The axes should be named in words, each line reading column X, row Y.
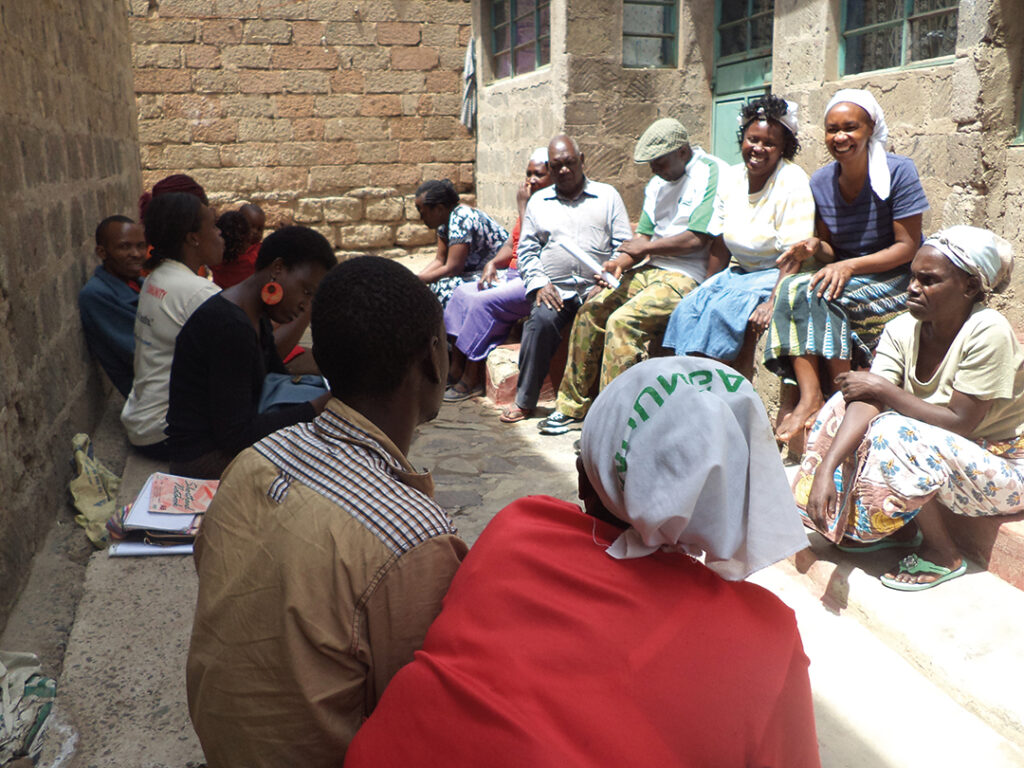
column 323, row 559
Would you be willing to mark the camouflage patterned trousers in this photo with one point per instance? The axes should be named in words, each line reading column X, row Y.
column 611, row 332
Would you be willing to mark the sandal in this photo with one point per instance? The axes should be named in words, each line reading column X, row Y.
column 915, row 565
column 514, row 413
column 455, row 395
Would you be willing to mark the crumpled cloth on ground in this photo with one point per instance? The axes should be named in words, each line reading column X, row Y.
column 93, row 490
column 26, row 699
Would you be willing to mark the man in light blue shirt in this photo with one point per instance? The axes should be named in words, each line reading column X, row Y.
column 591, row 217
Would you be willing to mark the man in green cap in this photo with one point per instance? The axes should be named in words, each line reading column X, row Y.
column 681, row 216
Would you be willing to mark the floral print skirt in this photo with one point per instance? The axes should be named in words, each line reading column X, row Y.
column 902, row 464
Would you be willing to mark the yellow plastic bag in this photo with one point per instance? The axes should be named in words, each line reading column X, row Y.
column 94, row 491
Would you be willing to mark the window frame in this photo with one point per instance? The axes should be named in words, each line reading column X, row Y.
column 513, row 44
column 904, row 21
column 748, row 53
column 673, row 35
column 1018, row 139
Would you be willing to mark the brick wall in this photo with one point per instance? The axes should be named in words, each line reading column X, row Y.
column 67, row 159
column 327, row 113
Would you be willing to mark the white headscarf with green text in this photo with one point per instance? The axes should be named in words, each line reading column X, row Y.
column 681, row 449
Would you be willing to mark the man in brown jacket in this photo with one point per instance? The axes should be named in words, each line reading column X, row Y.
column 323, row 558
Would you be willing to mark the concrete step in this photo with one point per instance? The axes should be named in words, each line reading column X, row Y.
column 954, row 650
column 904, row 687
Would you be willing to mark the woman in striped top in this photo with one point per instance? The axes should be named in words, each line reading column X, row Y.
column 867, row 229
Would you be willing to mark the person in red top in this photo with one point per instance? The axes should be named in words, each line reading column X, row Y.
column 243, row 233
column 599, row 639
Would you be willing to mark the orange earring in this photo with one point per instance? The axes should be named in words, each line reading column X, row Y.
column 272, row 293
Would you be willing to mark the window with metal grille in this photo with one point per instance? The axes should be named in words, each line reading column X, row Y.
column 649, row 33
column 882, row 34
column 520, row 36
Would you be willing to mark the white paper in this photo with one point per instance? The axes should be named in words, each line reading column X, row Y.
column 139, row 518
column 587, row 260
column 142, row 549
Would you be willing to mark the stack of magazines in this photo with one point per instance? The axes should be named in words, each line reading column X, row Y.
column 163, row 519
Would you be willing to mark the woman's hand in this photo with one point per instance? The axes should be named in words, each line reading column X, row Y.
column 797, row 254
column 488, row 277
column 863, row 385
column 831, row 280
column 761, row 317
column 523, row 196
column 822, row 500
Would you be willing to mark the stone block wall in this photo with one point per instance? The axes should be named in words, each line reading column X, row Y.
column 609, row 106
column 68, row 158
column 516, row 115
column 327, row 113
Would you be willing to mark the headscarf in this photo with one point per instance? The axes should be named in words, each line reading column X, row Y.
column 681, row 449
column 540, row 156
column 878, row 165
column 178, row 182
column 977, row 252
column 789, row 119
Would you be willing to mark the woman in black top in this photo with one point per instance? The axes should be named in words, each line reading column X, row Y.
column 226, row 349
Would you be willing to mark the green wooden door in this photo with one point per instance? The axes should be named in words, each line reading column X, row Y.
column 743, row 66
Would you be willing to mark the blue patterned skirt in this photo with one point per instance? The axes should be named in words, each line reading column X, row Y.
column 846, row 328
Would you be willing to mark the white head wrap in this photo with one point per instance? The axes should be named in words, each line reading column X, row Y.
column 977, row 252
column 681, row 449
column 789, row 119
column 540, row 155
column 878, row 166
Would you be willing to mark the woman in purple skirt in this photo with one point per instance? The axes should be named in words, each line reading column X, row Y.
column 480, row 315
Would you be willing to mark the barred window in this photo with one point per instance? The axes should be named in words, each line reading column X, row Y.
column 520, row 36
column 649, row 33
column 881, row 34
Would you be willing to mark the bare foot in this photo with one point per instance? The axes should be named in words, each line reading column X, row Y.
column 789, row 396
column 799, row 419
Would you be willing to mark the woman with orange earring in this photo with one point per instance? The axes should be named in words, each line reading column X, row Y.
column 226, row 354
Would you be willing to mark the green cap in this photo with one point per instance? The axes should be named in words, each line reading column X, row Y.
column 660, row 138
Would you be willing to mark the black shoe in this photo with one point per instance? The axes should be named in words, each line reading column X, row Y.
column 558, row 424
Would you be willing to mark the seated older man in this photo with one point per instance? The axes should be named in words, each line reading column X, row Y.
column 107, row 302
column 323, row 558
column 575, row 640
column 590, row 218
column 681, row 216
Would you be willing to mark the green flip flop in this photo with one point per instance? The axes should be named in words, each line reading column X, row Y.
column 915, row 565
column 913, row 543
